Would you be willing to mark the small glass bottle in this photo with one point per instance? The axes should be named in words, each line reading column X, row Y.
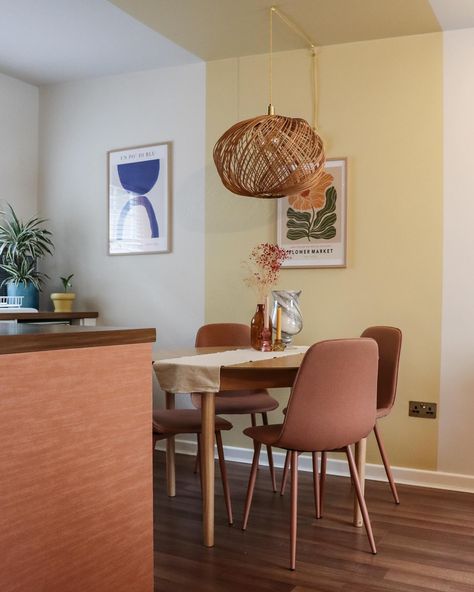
column 257, row 325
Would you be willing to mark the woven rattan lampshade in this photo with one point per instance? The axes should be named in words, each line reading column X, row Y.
column 269, row 156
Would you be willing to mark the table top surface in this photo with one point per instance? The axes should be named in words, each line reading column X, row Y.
column 285, row 362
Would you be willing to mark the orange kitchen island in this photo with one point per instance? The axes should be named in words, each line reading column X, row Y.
column 75, row 459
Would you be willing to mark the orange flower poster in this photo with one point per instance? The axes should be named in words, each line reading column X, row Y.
column 311, row 225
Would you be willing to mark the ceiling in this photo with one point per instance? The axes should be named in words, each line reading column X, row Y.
column 216, row 29
column 454, row 14
column 48, row 41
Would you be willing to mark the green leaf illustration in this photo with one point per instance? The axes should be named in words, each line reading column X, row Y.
column 300, row 216
column 296, row 234
column 326, row 235
column 323, row 225
column 298, row 224
column 294, row 224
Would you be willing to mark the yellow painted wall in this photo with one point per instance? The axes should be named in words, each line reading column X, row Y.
column 381, row 107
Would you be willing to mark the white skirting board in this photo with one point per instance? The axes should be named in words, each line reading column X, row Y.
column 417, row 477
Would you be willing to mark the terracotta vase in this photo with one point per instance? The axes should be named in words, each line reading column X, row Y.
column 256, row 327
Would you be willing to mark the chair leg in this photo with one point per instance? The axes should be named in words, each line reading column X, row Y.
column 270, row 456
column 294, row 508
column 386, row 464
column 253, row 419
column 225, row 484
column 360, row 498
column 316, row 488
column 322, row 481
column 197, row 461
column 284, row 477
column 251, row 485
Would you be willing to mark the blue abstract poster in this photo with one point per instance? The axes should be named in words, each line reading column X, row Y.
column 138, row 200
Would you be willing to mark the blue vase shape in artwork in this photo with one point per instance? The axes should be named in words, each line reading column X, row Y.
column 138, row 178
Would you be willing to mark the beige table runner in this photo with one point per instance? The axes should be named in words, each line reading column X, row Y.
column 201, row 373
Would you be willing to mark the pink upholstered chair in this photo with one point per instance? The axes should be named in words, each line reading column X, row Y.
column 389, row 341
column 170, row 422
column 246, row 402
column 332, row 405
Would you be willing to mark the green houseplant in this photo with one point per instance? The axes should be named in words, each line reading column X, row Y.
column 63, row 301
column 22, row 244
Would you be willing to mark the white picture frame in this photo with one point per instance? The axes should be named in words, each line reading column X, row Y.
column 312, row 225
column 139, row 199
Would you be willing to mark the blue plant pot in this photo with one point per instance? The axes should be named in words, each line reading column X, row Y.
column 28, row 291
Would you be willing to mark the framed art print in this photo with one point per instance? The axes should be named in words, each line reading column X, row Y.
column 311, row 225
column 139, row 188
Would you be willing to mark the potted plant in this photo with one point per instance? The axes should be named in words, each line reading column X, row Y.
column 22, row 244
column 63, row 301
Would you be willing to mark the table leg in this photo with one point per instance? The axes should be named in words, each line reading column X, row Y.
column 360, row 457
column 170, row 458
column 208, row 406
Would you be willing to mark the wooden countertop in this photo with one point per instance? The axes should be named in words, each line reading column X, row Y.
column 18, row 338
column 45, row 315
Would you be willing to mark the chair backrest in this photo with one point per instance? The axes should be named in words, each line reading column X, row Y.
column 223, row 334
column 332, row 403
column 389, row 340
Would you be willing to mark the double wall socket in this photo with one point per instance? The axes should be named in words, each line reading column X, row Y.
column 421, row 409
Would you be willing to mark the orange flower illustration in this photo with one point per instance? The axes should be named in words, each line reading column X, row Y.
column 313, row 198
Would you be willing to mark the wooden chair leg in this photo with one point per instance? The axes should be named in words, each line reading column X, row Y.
column 270, row 456
column 284, row 477
column 225, row 484
column 386, row 464
column 251, row 485
column 317, row 497
column 322, row 481
column 360, row 498
column 253, row 419
column 294, row 508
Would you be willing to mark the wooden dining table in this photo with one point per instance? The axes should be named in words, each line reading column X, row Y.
column 269, row 373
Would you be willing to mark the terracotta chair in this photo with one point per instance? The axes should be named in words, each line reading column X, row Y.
column 332, row 405
column 389, row 341
column 170, row 422
column 247, row 402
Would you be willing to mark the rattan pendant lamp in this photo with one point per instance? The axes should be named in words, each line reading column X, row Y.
column 271, row 155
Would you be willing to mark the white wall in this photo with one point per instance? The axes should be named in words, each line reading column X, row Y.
column 79, row 123
column 456, row 433
column 18, row 145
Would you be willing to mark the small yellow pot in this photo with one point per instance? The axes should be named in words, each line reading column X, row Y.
column 63, row 301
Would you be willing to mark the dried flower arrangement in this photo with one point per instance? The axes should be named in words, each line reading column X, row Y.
column 263, row 267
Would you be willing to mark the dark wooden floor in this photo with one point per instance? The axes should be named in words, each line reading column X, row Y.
column 426, row 543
